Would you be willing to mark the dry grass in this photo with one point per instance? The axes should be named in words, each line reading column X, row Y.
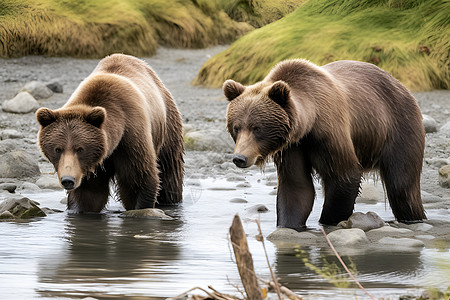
column 408, row 38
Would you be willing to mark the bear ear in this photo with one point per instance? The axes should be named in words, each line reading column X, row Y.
column 96, row 116
column 279, row 92
column 45, row 116
column 232, row 89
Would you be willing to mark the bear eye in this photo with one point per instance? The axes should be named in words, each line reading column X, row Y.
column 58, row 150
column 79, row 150
column 256, row 129
column 236, row 129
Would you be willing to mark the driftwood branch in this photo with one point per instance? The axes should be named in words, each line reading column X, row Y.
column 244, row 260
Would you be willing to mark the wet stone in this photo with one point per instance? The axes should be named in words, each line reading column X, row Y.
column 21, row 208
column 401, row 244
column 291, row 235
column 238, row 200
column 244, row 185
column 10, row 187
column 258, row 208
column 49, row 182
column 348, row 237
column 147, row 213
column 366, row 222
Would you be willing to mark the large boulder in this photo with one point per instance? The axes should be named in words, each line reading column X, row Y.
column 19, row 207
column 22, row 103
column 18, row 164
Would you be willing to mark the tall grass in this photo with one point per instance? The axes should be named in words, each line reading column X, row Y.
column 408, row 38
column 94, row 28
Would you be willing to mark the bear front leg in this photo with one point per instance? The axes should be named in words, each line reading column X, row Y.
column 92, row 195
column 295, row 195
column 340, row 195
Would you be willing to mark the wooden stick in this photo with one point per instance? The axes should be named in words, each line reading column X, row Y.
column 244, row 260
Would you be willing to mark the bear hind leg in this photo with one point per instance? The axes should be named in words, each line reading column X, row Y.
column 171, row 166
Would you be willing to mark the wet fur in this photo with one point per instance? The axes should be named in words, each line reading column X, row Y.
column 140, row 140
column 341, row 120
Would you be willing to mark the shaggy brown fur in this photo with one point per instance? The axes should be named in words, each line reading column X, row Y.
column 341, row 120
column 120, row 124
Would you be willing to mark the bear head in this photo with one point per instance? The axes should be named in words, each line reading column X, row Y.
column 73, row 141
column 258, row 119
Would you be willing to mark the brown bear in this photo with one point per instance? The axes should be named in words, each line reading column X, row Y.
column 121, row 124
column 339, row 121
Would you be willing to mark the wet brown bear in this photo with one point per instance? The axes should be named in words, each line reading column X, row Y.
column 120, row 124
column 341, row 120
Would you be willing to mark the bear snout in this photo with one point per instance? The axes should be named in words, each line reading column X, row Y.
column 68, row 182
column 240, row 161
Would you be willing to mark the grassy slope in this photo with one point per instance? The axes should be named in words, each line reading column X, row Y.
column 94, row 28
column 408, row 38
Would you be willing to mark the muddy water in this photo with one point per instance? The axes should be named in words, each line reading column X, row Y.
column 66, row 256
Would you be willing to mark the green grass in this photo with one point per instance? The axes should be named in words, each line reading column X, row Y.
column 95, row 28
column 408, row 38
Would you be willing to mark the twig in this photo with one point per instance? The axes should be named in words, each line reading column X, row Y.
column 274, row 278
column 290, row 294
column 343, row 264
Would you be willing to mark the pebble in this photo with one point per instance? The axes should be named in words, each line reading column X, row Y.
column 238, row 200
column 348, row 237
column 444, row 176
column 18, row 164
column 37, row 89
column 22, row 103
column 429, row 123
column 365, row 221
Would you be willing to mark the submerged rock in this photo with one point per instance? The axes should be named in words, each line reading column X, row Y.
column 22, row 103
column 401, row 244
column 20, row 208
column 147, row 213
column 348, row 237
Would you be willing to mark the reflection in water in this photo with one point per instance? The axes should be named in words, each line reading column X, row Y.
column 101, row 250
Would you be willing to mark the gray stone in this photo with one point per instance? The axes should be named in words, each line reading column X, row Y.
column 29, row 187
column 10, row 187
column 366, row 222
column 233, row 177
column 438, row 162
column 55, row 86
column 6, row 215
column 370, row 193
column 291, row 236
column 22, row 103
column 388, row 230
column 37, row 89
column 147, row 213
column 418, row 226
column 244, row 185
column 444, row 176
column 348, row 237
column 10, row 134
column 6, row 146
column 21, row 207
column 48, row 182
column 238, row 200
column 429, row 124
column 208, row 140
column 445, row 128
column 18, row 164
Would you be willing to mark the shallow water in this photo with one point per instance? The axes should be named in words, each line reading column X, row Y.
column 65, row 256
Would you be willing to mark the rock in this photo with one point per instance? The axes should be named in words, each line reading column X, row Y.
column 10, row 134
column 429, row 123
column 238, row 200
column 49, row 182
column 445, row 128
column 348, row 237
column 244, row 185
column 22, row 103
column 233, row 177
column 444, row 176
column 366, row 222
column 273, row 192
column 29, row 187
column 6, row 146
column 147, row 213
column 258, row 208
column 21, row 208
column 208, row 140
column 37, row 89
column 10, row 187
column 292, row 236
column 388, row 230
column 370, row 193
column 55, row 86
column 18, row 164
column 438, row 162
column 417, row 226
column 400, row 244
column 6, row 215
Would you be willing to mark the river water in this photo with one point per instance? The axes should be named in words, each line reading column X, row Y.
column 70, row 256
